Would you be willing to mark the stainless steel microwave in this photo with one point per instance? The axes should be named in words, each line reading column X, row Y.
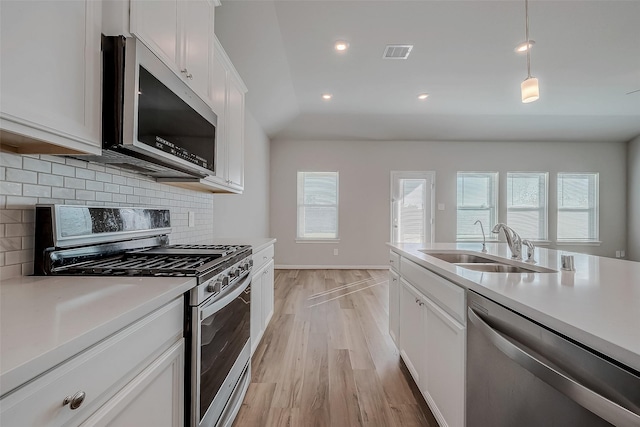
column 152, row 121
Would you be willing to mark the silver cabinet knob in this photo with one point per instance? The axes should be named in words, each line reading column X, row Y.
column 74, row 401
column 187, row 74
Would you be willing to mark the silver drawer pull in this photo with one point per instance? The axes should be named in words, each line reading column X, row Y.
column 74, row 401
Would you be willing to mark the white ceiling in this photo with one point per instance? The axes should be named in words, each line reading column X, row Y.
column 586, row 57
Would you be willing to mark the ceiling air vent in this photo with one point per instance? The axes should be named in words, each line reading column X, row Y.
column 397, row 51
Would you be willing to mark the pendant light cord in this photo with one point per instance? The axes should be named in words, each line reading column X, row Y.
column 526, row 14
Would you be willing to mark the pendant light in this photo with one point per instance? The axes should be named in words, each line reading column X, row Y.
column 529, row 87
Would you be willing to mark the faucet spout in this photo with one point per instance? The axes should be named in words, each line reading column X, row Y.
column 484, row 239
column 513, row 239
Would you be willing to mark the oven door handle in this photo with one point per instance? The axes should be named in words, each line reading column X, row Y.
column 208, row 309
column 583, row 396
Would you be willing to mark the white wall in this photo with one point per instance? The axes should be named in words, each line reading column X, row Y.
column 365, row 167
column 247, row 215
column 633, row 199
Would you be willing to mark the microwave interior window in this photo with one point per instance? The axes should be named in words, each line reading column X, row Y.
column 167, row 123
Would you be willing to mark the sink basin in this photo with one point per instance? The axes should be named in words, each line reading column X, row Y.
column 496, row 268
column 457, row 257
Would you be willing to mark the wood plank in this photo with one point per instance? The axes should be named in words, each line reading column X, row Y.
column 343, row 394
column 256, row 405
column 374, row 407
column 289, row 386
column 315, row 388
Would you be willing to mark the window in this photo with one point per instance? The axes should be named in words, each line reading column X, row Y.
column 527, row 204
column 578, row 207
column 317, row 205
column 477, row 200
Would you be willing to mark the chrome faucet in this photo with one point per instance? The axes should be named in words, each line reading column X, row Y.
column 513, row 239
column 530, row 250
column 484, row 239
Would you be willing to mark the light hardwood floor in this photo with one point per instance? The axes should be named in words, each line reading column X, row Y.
column 327, row 359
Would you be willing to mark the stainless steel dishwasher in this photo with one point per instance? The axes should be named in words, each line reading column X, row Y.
column 520, row 373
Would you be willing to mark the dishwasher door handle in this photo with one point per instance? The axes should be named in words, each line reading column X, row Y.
column 585, row 397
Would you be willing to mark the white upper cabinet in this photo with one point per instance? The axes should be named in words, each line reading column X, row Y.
column 180, row 33
column 227, row 94
column 50, row 76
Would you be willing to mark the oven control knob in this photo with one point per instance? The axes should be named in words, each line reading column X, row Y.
column 214, row 286
column 224, row 281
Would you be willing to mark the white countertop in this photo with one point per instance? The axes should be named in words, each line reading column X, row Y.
column 46, row 320
column 597, row 305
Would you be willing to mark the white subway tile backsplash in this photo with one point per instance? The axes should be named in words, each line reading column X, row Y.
column 74, row 183
column 63, row 193
column 37, row 165
column 19, row 175
column 94, row 185
column 120, row 198
column 104, row 197
column 27, row 180
column 64, row 170
column 13, row 216
column 10, row 188
column 51, row 180
column 36, row 190
column 11, row 160
column 76, row 163
column 111, row 188
column 103, row 177
column 85, row 195
column 85, row 174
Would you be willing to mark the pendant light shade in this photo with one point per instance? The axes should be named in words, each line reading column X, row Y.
column 530, row 90
column 529, row 87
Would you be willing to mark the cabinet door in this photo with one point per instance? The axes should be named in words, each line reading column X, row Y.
column 256, row 309
column 444, row 374
column 50, row 73
column 267, row 294
column 155, row 22
column 154, row 398
column 218, row 95
column 197, row 34
column 394, row 305
column 412, row 330
column 235, row 132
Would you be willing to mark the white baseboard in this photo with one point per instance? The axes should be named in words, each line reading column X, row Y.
column 331, row 267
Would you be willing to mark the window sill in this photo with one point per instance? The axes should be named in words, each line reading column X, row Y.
column 317, row 240
column 476, row 241
column 578, row 243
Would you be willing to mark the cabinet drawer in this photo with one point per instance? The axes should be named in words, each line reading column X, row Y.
column 262, row 257
column 394, row 260
column 99, row 372
column 447, row 295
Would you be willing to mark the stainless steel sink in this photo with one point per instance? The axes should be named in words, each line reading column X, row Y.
column 496, row 268
column 456, row 257
column 471, row 261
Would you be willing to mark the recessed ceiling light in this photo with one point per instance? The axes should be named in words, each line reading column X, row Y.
column 423, row 96
column 327, row 96
column 341, row 46
column 522, row 47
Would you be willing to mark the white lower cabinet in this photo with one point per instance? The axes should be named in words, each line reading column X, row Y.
column 432, row 340
column 153, row 398
column 394, row 305
column 262, row 294
column 444, row 370
column 133, row 377
column 412, row 327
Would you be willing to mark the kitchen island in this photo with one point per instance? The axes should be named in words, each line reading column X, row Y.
column 436, row 321
column 597, row 305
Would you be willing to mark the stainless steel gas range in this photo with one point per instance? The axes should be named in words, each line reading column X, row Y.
column 84, row 240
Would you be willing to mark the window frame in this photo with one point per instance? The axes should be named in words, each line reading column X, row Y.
column 543, row 208
column 594, row 219
column 492, row 208
column 301, row 205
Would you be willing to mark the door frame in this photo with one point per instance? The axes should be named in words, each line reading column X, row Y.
column 413, row 175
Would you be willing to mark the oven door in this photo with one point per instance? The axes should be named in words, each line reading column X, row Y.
column 221, row 351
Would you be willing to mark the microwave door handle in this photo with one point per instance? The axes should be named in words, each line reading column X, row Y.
column 585, row 397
